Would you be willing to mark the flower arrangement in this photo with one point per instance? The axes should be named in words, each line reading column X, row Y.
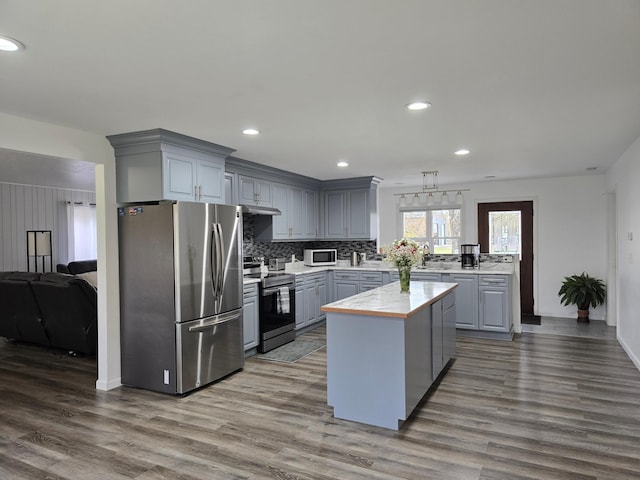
column 403, row 252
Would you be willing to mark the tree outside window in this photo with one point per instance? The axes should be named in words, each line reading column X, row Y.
column 440, row 229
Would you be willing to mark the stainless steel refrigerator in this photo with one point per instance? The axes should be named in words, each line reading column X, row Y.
column 180, row 294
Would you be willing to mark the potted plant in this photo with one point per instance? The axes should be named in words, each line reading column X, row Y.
column 583, row 291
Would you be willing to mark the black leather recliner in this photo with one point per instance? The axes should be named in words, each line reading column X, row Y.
column 50, row 309
column 69, row 309
column 20, row 315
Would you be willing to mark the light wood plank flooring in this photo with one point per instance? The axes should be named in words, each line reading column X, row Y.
column 540, row 407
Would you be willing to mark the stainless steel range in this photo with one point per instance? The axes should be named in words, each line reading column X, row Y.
column 277, row 292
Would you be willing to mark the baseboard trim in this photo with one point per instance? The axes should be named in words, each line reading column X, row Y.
column 108, row 385
column 629, row 352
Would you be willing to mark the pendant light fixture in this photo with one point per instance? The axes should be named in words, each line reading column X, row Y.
column 429, row 187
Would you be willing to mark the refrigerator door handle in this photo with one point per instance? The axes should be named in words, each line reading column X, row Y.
column 219, row 320
column 213, row 263
column 221, row 257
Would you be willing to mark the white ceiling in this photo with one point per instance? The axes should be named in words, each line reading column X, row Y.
column 532, row 88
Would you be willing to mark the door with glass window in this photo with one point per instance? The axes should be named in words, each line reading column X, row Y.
column 507, row 228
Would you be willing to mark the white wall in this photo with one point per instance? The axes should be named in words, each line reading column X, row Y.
column 569, row 229
column 28, row 207
column 26, row 135
column 624, row 180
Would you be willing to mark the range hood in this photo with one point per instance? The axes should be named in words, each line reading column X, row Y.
column 258, row 210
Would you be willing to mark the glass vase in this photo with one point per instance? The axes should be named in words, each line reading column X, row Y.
column 405, row 277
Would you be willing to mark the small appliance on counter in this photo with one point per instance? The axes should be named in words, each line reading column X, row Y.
column 470, row 255
column 320, row 257
column 277, row 264
column 358, row 259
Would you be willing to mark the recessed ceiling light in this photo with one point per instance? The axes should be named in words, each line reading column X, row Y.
column 250, row 131
column 343, row 164
column 8, row 44
column 418, row 105
column 462, row 151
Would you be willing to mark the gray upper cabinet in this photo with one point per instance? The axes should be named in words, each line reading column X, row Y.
column 230, row 188
column 299, row 215
column 157, row 164
column 351, row 212
column 254, row 191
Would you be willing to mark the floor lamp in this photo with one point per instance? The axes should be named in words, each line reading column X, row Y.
column 39, row 245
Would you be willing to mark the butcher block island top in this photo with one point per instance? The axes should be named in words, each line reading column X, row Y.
column 385, row 349
column 387, row 301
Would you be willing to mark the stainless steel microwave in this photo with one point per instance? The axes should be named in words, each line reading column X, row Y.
column 320, row 256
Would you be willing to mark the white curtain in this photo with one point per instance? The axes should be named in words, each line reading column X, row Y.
column 81, row 222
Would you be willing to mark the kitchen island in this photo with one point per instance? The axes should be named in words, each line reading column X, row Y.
column 385, row 349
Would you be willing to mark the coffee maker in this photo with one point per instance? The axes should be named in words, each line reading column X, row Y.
column 470, row 255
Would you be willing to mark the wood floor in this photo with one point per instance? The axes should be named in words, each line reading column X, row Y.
column 540, row 407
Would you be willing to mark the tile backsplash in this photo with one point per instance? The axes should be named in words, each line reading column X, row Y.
column 251, row 247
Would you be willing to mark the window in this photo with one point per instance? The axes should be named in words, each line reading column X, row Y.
column 82, row 231
column 439, row 228
column 504, row 232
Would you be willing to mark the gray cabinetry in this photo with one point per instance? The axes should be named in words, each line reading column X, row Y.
column 443, row 333
column 311, row 294
column 466, row 298
column 299, row 215
column 231, row 189
column 418, row 276
column 161, row 165
column 254, row 191
column 347, row 283
column 250, row 316
column 350, row 209
column 449, row 326
column 494, row 310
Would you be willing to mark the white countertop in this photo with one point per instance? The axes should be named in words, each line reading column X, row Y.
column 435, row 267
column 486, row 268
column 387, row 301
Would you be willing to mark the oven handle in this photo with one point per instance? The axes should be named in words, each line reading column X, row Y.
column 270, row 291
column 219, row 320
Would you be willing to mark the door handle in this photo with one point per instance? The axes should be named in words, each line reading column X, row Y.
column 219, row 320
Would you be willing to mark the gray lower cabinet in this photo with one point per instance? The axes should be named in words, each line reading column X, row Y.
column 347, row 283
column 466, row 299
column 311, row 294
column 443, row 333
column 494, row 311
column 419, row 276
column 250, row 314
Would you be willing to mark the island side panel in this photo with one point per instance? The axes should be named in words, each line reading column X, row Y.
column 366, row 368
column 418, row 357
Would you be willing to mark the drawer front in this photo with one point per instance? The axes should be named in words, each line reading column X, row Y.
column 364, row 286
column 315, row 277
column 426, row 277
column 345, row 275
column 371, row 277
column 250, row 290
column 494, row 280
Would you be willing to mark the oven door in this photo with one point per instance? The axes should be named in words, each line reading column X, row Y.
column 277, row 312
